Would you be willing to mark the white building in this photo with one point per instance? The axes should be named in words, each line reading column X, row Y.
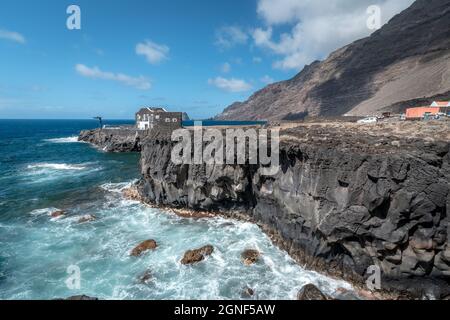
column 441, row 104
column 146, row 117
column 149, row 118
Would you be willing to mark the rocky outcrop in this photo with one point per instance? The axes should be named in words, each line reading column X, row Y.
column 146, row 277
column 197, row 255
column 143, row 247
column 114, row 140
column 250, row 256
column 247, row 293
column 311, row 292
column 406, row 60
column 343, row 200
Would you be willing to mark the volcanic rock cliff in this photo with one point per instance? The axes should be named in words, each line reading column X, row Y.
column 114, row 140
column 344, row 199
column 404, row 63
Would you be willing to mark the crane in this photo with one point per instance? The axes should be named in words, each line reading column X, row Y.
column 100, row 119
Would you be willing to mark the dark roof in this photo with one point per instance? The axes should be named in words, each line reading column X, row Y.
column 151, row 110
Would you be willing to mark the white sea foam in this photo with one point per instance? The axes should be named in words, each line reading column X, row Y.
column 57, row 166
column 44, row 211
column 117, row 187
column 109, row 272
column 64, row 140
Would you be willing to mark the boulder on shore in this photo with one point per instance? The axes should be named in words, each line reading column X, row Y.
column 143, row 247
column 311, row 292
column 197, row 255
column 250, row 256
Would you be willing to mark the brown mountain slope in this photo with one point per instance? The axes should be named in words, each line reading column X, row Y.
column 406, row 61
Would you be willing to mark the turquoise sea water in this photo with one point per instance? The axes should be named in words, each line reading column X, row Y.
column 43, row 168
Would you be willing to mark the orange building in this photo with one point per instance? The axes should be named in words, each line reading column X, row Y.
column 420, row 112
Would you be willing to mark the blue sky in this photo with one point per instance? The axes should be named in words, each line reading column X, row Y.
column 196, row 56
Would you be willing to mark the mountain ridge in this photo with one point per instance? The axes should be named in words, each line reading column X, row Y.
column 408, row 59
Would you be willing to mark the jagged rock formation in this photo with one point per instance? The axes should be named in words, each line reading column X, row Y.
column 197, row 255
column 311, row 292
column 407, row 60
column 344, row 199
column 144, row 247
column 114, row 140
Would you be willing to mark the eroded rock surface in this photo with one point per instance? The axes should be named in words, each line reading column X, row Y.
column 114, row 140
column 250, row 256
column 143, row 247
column 197, row 255
column 311, row 292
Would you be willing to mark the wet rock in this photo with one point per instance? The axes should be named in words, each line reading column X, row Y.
column 143, row 247
column 250, row 256
column 197, row 255
column 57, row 214
column 146, row 277
column 183, row 213
column 87, row 218
column 311, row 292
column 82, row 297
column 247, row 292
column 131, row 193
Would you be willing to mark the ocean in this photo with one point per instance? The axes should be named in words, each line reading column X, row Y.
column 43, row 168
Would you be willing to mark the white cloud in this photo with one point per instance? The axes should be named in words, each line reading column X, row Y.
column 12, row 36
column 267, row 79
column 230, row 85
column 318, row 26
column 230, row 36
column 140, row 82
column 153, row 52
column 226, row 67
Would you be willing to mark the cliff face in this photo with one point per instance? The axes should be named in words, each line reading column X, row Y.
column 404, row 61
column 113, row 140
column 342, row 201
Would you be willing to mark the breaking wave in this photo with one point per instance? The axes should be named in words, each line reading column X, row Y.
column 117, row 187
column 57, row 166
column 64, row 140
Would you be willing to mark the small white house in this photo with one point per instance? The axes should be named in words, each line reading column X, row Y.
column 441, row 104
column 444, row 107
column 159, row 118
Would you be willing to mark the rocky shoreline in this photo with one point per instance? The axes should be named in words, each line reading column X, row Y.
column 113, row 140
column 345, row 199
